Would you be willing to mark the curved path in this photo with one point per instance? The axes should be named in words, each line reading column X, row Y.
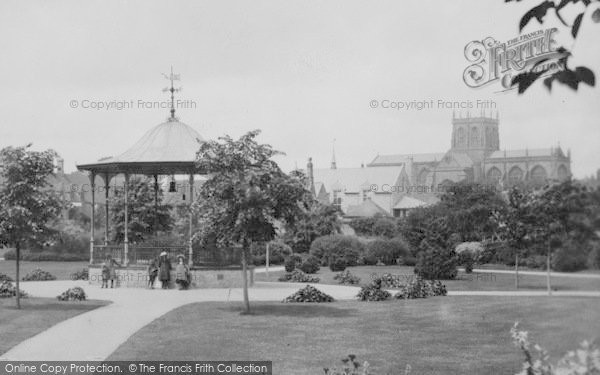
column 94, row 335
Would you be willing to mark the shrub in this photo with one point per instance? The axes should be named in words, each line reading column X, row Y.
column 84, row 274
column 39, row 275
column 330, row 248
column 4, row 277
column 363, row 226
column 278, row 252
column 387, row 251
column 419, row 288
column 384, row 227
column 46, row 256
column 290, row 265
column 338, row 265
column 571, row 256
column 389, row 280
column 72, row 294
column 535, row 261
column 347, row 278
column 436, row 262
column 410, row 261
column 308, row 294
column 298, row 276
column 310, row 265
column 465, row 258
column 7, row 290
column 594, row 257
column 373, row 292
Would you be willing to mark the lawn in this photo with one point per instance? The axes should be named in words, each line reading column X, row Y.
column 474, row 281
column 62, row 270
column 439, row 335
column 36, row 315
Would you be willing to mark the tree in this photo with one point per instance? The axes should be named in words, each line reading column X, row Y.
column 513, row 224
column 27, row 204
column 568, row 77
column 245, row 195
column 144, row 217
column 314, row 220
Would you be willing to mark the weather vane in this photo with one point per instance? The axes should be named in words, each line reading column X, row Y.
column 172, row 77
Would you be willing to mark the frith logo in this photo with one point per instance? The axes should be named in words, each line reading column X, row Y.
column 494, row 61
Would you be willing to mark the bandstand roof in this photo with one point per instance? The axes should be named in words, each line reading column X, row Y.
column 168, row 148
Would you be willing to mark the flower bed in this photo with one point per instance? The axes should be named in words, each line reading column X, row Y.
column 309, row 294
column 7, row 290
column 39, row 275
column 298, row 276
column 72, row 294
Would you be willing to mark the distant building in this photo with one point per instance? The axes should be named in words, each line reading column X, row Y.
column 405, row 181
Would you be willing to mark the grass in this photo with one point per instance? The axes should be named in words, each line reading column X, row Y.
column 474, row 281
column 35, row 316
column 62, row 270
column 440, row 335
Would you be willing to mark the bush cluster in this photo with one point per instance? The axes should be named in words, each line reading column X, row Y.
column 387, row 251
column 339, row 249
column 373, row 292
column 310, row 265
column 7, row 290
column 569, row 257
column 46, row 256
column 347, row 278
column 419, row 288
column 39, row 275
column 298, row 276
column 309, row 294
column 389, row 280
column 278, row 252
column 84, row 274
column 4, row 277
column 72, row 294
column 436, row 262
column 466, row 259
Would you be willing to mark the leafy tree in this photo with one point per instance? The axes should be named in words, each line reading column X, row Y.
column 384, row 227
column 27, row 204
column 314, row 220
column 245, row 196
column 569, row 77
column 437, row 256
column 514, row 223
column 144, row 218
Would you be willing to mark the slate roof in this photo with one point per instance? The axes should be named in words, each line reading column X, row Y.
column 368, row 208
column 399, row 159
column 406, row 203
column 351, row 180
column 522, row 153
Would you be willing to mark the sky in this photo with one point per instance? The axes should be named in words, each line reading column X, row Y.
column 304, row 72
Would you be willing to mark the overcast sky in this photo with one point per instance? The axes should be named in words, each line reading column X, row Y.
column 304, row 72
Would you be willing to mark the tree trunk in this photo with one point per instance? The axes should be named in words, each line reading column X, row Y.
column 548, row 272
column 245, row 276
column 517, row 270
column 18, row 251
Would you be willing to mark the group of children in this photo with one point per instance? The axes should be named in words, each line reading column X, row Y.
column 161, row 269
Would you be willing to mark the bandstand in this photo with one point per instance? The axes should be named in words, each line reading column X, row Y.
column 168, row 149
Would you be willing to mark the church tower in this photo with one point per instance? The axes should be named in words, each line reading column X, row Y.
column 476, row 135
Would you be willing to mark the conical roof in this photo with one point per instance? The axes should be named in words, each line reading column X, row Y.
column 168, row 148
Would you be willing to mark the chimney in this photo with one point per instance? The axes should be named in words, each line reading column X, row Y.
column 60, row 166
column 310, row 175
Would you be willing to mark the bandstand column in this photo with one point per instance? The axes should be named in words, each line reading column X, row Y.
column 126, row 224
column 191, row 199
column 106, row 212
column 93, row 214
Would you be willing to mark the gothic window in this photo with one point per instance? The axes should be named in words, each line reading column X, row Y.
column 474, row 137
column 515, row 175
column 539, row 175
column 563, row 173
column 460, row 137
column 494, row 175
column 489, row 137
column 337, row 200
column 422, row 177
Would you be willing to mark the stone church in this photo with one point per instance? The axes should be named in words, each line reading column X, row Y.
column 413, row 180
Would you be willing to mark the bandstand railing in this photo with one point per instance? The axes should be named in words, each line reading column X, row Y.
column 137, row 254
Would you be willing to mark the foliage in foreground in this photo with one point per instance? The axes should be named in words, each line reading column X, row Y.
column 39, row 275
column 583, row 361
column 297, row 276
column 347, row 278
column 373, row 292
column 309, row 294
column 72, row 294
column 4, row 277
column 7, row 290
column 419, row 288
column 84, row 274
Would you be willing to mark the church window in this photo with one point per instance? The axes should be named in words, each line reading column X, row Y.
column 422, row 177
column 494, row 175
column 539, row 175
column 460, row 137
column 515, row 175
column 474, row 137
column 563, row 173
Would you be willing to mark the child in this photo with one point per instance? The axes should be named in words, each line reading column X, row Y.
column 112, row 271
column 105, row 275
column 182, row 274
column 152, row 273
